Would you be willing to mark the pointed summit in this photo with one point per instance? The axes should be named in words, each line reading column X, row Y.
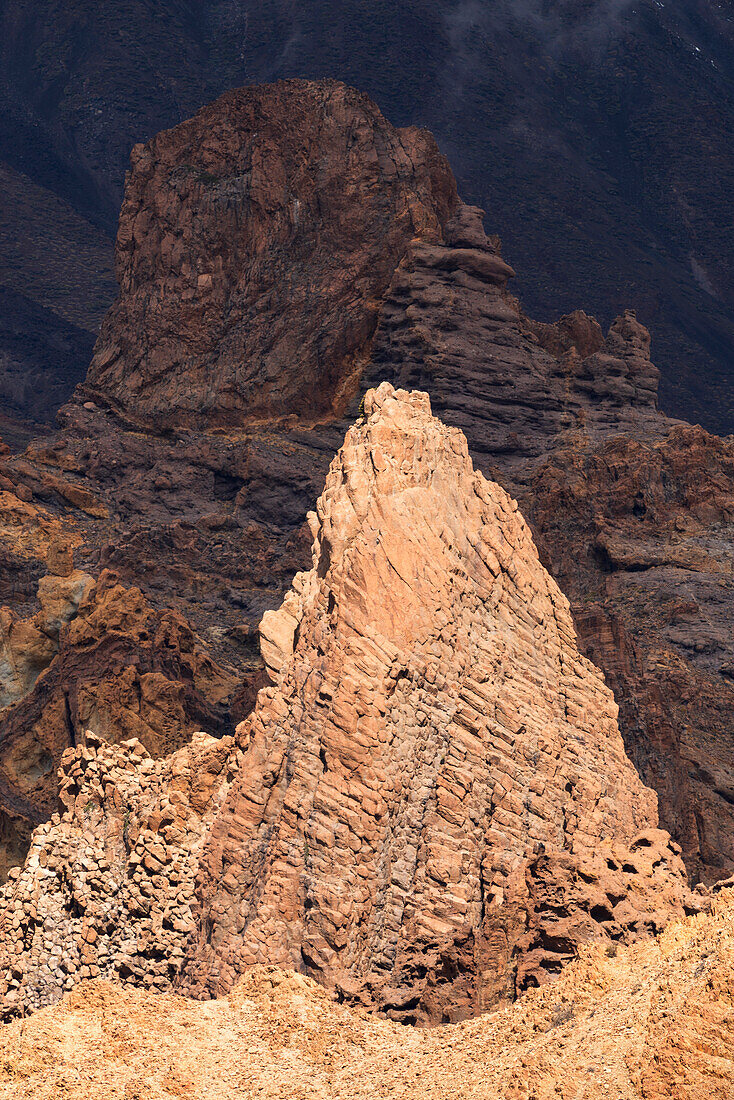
column 433, row 805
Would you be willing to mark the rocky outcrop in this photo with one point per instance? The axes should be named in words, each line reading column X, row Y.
column 250, row 283
column 98, row 655
column 433, row 806
column 430, row 808
column 639, row 533
column 108, row 887
column 27, row 647
column 631, row 512
column 516, row 388
column 623, row 116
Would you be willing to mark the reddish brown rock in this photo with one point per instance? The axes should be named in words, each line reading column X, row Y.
column 633, row 513
column 211, row 522
column 639, row 534
column 116, row 666
column 255, row 243
column 430, row 809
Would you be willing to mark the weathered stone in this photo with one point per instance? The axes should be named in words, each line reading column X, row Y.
column 207, row 209
column 83, row 913
column 436, row 717
column 631, row 511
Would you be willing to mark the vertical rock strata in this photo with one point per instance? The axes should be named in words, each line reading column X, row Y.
column 432, row 804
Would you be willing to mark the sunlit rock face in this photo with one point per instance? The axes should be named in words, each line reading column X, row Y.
column 433, row 806
column 430, row 807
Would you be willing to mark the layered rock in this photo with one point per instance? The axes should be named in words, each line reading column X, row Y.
column 97, row 655
column 84, row 646
column 107, row 888
column 640, row 534
column 631, row 512
column 433, row 806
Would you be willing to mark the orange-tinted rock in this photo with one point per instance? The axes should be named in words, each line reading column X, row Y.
column 108, row 888
column 211, row 523
column 118, row 667
column 633, row 514
column 27, row 646
column 639, row 534
column 432, row 806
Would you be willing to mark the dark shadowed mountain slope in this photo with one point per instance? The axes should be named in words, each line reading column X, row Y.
column 597, row 134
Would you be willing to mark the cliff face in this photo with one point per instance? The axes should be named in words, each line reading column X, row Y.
column 633, row 512
column 255, row 244
column 619, row 112
column 429, row 810
column 433, row 804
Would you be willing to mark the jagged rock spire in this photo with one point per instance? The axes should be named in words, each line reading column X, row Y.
column 433, row 804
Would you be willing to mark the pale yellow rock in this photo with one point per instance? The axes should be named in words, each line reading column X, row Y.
column 650, row 1022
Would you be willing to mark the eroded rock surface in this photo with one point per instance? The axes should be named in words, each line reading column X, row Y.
column 631, row 511
column 107, row 888
column 433, row 806
column 98, row 656
column 653, row 1021
column 255, row 243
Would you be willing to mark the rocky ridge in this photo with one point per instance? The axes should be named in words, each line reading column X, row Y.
column 430, row 809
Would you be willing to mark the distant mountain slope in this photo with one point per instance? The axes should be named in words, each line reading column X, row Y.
column 598, row 135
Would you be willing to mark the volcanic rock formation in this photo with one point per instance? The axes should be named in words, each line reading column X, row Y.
column 430, row 809
column 632, row 513
column 255, row 243
column 108, row 887
column 620, row 112
column 433, row 804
